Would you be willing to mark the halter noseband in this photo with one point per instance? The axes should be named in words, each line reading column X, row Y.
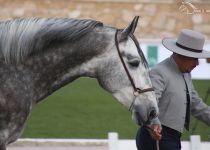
column 137, row 90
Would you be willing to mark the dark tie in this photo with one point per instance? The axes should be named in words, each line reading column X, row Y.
column 187, row 118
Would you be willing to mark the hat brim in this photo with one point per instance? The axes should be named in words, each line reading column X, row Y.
column 170, row 44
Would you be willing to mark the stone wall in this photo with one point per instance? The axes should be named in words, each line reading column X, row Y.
column 159, row 18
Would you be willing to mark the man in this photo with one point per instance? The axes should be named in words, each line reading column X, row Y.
column 175, row 93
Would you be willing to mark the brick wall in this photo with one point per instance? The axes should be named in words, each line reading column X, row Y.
column 159, row 18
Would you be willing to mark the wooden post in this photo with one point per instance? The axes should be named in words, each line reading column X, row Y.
column 195, row 142
column 113, row 140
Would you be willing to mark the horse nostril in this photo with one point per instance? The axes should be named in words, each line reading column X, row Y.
column 152, row 114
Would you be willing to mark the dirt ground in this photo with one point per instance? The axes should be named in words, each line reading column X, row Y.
column 59, row 148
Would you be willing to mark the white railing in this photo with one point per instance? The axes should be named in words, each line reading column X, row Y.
column 112, row 143
column 194, row 143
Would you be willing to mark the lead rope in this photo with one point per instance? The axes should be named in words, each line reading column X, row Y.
column 157, row 141
column 157, row 145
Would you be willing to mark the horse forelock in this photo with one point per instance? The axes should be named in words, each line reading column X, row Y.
column 22, row 37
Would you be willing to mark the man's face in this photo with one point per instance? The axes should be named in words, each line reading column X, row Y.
column 188, row 64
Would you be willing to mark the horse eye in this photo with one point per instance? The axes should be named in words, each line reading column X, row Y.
column 134, row 62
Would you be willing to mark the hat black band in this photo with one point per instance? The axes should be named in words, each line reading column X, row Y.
column 187, row 48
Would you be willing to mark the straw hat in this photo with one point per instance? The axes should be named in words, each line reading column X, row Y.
column 189, row 43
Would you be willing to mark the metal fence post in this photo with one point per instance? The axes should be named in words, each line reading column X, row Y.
column 195, row 142
column 113, row 140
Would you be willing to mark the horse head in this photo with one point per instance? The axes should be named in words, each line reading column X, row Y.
column 41, row 55
column 127, row 77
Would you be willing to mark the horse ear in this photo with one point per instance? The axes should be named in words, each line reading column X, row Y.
column 130, row 29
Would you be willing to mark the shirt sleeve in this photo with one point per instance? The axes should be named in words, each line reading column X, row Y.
column 159, row 86
column 158, row 82
column 199, row 109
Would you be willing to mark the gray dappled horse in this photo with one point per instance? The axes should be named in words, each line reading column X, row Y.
column 40, row 55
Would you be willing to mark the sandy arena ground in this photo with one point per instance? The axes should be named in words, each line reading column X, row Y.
column 58, row 148
column 58, row 144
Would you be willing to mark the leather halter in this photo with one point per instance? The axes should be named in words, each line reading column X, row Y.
column 137, row 90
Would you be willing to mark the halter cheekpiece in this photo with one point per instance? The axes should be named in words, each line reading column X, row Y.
column 137, row 90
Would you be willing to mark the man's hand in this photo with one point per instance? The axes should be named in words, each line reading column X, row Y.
column 155, row 131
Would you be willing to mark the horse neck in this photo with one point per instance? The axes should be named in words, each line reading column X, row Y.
column 61, row 65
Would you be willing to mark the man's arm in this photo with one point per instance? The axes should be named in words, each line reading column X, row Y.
column 158, row 83
column 199, row 109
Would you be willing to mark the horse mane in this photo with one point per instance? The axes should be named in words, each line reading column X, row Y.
column 21, row 37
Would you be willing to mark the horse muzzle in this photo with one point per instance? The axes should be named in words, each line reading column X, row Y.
column 142, row 117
